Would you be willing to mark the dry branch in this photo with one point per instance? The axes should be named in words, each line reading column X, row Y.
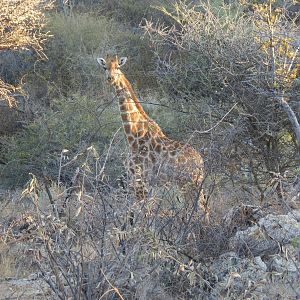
column 21, row 27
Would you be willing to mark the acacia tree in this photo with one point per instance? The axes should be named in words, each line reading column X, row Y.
column 21, row 27
column 280, row 61
column 217, row 58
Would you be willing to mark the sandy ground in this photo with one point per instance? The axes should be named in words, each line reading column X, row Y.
column 23, row 289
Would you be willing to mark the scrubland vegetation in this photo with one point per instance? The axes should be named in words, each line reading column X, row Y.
column 223, row 76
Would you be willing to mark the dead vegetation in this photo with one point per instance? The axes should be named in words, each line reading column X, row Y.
column 21, row 27
column 80, row 241
column 217, row 75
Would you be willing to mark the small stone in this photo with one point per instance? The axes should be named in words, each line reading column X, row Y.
column 259, row 262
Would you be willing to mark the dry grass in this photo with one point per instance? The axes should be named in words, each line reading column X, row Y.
column 86, row 247
column 21, row 27
column 16, row 245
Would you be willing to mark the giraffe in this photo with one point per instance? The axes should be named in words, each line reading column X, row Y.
column 154, row 157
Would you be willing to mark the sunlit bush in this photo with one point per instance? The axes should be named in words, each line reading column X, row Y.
column 212, row 64
column 21, row 27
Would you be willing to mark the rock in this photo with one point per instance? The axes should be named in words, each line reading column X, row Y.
column 272, row 268
column 267, row 236
column 281, row 228
column 259, row 262
column 280, row 264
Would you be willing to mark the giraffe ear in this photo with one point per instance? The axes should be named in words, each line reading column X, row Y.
column 101, row 61
column 122, row 61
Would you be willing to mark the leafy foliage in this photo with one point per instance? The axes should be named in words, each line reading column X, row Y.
column 74, row 124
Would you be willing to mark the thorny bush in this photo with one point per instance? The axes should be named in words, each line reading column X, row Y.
column 215, row 60
column 87, row 248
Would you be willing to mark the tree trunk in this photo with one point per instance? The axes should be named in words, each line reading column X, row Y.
column 292, row 118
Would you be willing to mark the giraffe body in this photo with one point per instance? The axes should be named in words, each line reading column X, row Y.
column 155, row 159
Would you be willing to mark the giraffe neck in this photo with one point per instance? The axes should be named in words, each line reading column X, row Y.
column 135, row 120
column 126, row 94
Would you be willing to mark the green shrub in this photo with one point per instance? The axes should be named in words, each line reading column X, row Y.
column 74, row 123
column 71, row 66
column 77, row 41
column 133, row 11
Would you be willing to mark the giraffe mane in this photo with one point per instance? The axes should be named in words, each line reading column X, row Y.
column 134, row 97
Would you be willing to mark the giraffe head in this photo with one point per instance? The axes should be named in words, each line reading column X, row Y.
column 112, row 65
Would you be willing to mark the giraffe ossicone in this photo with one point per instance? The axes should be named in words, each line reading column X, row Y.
column 153, row 156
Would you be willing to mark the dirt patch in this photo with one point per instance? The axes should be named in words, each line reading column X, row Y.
column 24, row 289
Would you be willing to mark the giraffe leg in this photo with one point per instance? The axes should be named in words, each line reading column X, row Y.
column 138, row 181
column 140, row 191
column 139, row 187
column 204, row 205
column 195, row 195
